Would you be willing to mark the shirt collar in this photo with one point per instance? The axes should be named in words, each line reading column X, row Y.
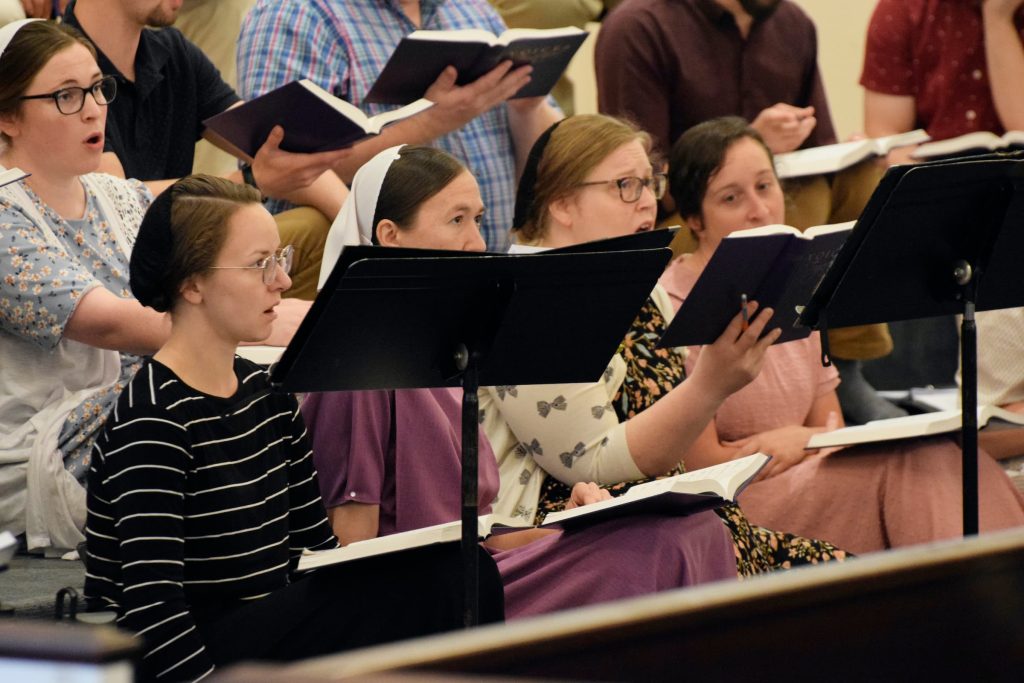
column 149, row 59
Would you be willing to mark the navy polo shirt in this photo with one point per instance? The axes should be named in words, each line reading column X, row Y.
column 154, row 122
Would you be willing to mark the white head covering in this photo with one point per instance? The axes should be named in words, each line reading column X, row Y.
column 8, row 32
column 354, row 224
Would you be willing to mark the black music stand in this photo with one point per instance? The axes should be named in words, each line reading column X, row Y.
column 426, row 320
column 934, row 239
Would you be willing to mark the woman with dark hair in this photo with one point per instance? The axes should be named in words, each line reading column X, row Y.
column 202, row 492
column 389, row 461
column 868, row 498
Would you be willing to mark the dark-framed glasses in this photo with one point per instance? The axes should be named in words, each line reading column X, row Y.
column 282, row 258
column 71, row 99
column 631, row 187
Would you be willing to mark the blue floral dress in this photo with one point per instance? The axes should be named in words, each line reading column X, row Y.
column 41, row 285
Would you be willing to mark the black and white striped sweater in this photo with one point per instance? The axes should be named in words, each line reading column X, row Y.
column 198, row 501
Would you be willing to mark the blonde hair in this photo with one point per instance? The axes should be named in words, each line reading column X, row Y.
column 575, row 147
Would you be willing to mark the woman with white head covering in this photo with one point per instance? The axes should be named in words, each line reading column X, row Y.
column 409, row 209
column 389, row 461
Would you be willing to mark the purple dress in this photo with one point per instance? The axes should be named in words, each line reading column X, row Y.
column 400, row 450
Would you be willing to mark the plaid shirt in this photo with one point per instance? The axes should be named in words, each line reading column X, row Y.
column 342, row 45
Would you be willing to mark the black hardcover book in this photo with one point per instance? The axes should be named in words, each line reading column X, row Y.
column 313, row 119
column 421, row 56
column 775, row 265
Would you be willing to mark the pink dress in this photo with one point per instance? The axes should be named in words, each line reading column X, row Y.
column 401, row 450
column 862, row 498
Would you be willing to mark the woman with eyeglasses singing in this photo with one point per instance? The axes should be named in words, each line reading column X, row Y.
column 588, row 178
column 70, row 331
column 202, row 491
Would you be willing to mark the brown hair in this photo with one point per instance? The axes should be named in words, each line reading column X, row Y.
column 575, row 147
column 181, row 235
column 418, row 174
column 31, row 49
column 698, row 154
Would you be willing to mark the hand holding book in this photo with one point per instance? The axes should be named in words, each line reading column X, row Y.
column 585, row 493
column 734, row 359
column 422, row 55
column 279, row 173
column 456, row 105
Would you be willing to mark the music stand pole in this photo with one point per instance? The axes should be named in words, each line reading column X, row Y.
column 462, row 319
column 467, row 361
column 967, row 279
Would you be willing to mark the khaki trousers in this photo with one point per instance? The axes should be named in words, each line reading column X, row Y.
column 306, row 230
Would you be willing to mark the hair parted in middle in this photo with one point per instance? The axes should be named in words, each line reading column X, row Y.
column 572, row 151
column 417, row 174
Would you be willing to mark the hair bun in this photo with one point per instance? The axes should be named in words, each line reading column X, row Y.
column 151, row 254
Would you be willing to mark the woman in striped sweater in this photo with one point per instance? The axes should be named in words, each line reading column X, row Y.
column 202, row 493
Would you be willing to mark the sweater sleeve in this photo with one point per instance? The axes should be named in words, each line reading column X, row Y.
column 144, row 458
column 570, row 430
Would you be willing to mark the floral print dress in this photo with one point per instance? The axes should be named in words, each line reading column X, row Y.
column 41, row 285
column 650, row 374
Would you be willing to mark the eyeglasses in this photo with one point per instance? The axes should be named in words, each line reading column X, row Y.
column 282, row 259
column 631, row 187
column 70, row 100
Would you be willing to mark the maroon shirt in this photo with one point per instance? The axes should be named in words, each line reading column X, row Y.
column 671, row 64
column 934, row 51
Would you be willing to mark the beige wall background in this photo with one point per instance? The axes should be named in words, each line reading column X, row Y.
column 842, row 27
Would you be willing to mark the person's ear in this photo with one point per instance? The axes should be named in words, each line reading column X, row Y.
column 388, row 233
column 10, row 124
column 560, row 211
column 695, row 224
column 191, row 290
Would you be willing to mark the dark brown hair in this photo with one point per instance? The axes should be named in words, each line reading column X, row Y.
column 31, row 49
column 418, row 174
column 698, row 154
column 181, row 235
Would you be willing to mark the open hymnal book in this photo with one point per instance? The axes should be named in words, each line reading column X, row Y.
column 925, row 424
column 687, row 493
column 421, row 56
column 12, row 175
column 313, row 119
column 679, row 495
column 775, row 265
column 982, row 141
column 832, row 158
column 448, row 532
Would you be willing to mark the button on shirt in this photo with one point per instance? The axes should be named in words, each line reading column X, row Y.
column 671, row 64
column 934, row 51
column 343, row 45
